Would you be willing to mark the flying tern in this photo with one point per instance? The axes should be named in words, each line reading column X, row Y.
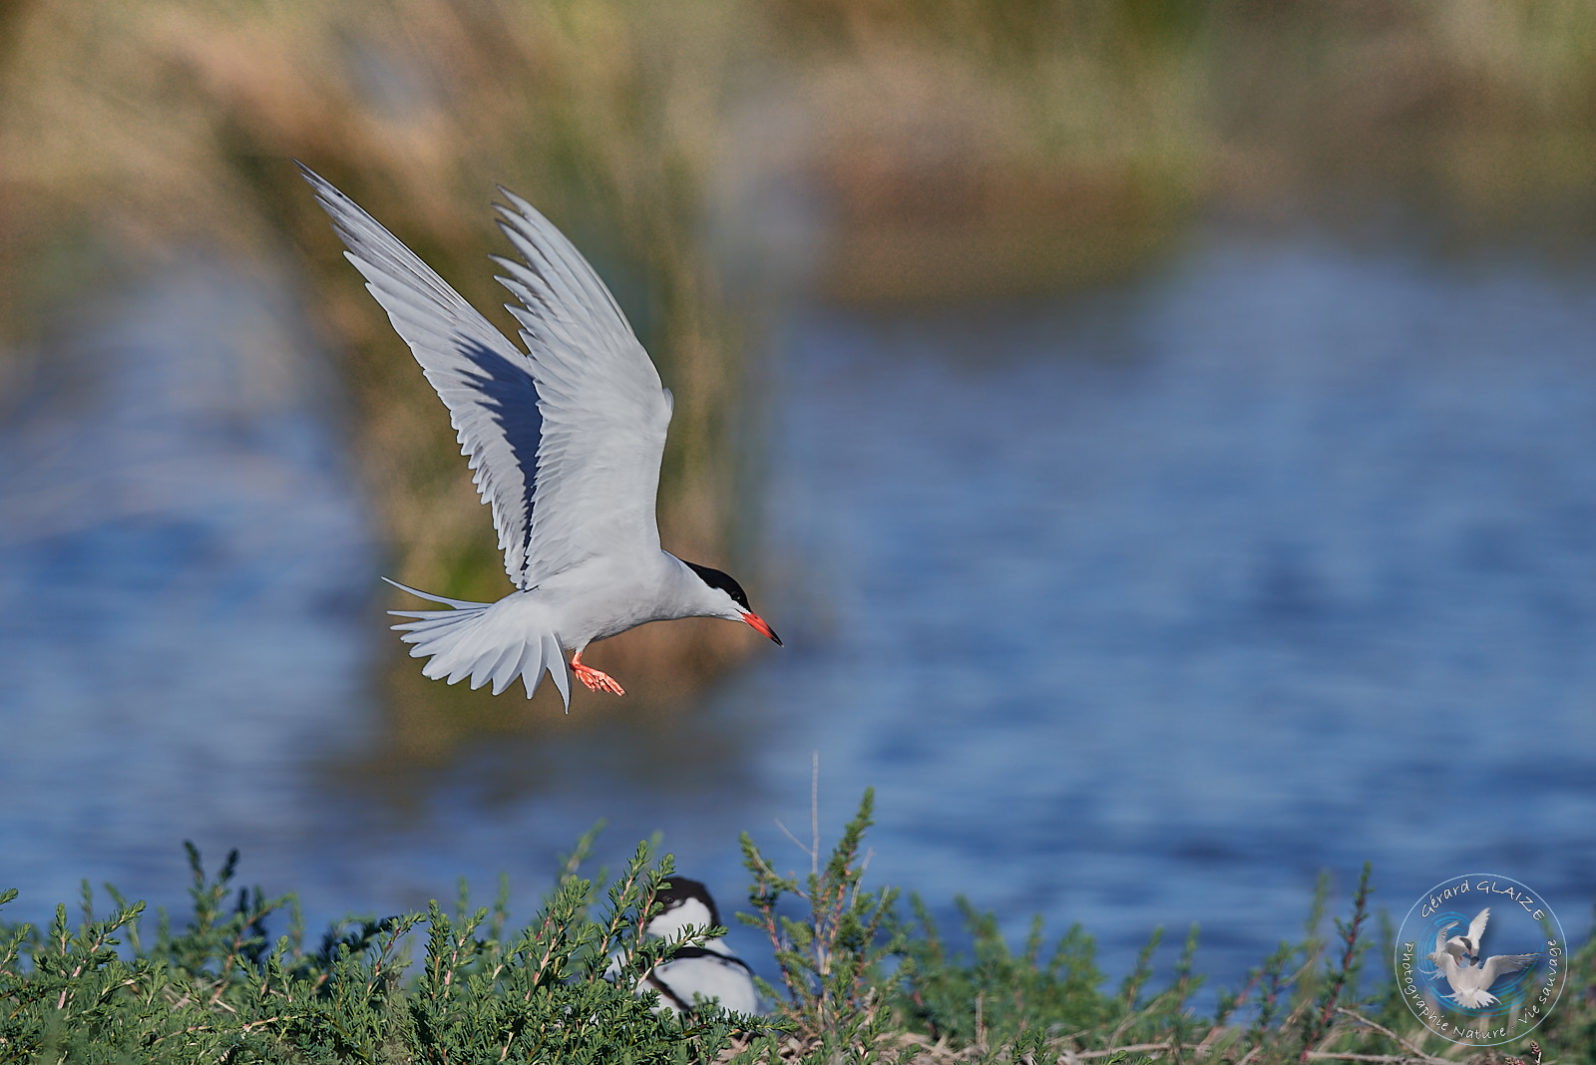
column 564, row 440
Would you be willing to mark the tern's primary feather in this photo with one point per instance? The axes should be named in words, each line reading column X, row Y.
column 586, row 409
column 480, row 375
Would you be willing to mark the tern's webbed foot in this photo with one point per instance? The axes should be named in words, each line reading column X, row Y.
column 595, row 679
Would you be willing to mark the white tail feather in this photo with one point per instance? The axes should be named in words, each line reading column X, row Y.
column 1473, row 998
column 495, row 642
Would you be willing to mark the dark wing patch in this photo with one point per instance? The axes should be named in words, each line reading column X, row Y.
column 730, row 961
column 653, row 980
column 510, row 396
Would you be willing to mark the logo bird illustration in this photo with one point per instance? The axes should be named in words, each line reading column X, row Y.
column 1457, row 958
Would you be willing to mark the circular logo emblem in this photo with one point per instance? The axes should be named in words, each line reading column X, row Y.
column 1481, row 959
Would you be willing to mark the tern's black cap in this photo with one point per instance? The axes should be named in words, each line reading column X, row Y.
column 724, row 581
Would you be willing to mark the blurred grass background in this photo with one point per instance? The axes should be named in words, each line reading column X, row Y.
column 715, row 158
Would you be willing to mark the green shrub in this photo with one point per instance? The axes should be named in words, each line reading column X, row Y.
column 856, row 981
column 220, row 991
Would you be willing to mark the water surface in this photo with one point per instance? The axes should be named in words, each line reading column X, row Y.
column 1138, row 607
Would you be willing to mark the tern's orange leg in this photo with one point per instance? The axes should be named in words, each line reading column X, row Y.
column 595, row 679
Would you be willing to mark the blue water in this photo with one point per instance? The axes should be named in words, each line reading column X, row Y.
column 1137, row 607
column 184, row 567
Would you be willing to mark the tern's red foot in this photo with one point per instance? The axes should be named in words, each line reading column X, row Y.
column 595, row 679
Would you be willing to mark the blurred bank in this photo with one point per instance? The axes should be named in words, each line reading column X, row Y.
column 711, row 155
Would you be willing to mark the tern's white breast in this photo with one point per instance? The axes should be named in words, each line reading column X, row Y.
column 605, row 596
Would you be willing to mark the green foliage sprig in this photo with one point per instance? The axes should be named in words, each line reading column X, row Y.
column 830, row 958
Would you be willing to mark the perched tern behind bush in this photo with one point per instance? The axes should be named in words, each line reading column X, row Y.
column 565, row 440
column 701, row 973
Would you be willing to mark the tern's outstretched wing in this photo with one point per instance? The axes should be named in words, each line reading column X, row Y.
column 1500, row 965
column 570, row 436
column 479, row 374
column 604, row 410
column 1477, row 928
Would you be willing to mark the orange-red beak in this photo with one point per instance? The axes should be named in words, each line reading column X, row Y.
column 757, row 623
